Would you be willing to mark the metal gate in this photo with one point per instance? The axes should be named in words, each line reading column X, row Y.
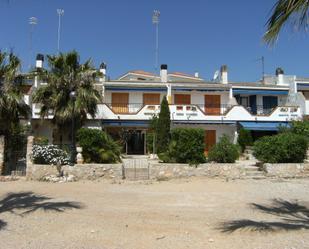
column 135, row 169
column 15, row 155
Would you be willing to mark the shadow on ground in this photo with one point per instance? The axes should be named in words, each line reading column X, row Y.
column 288, row 215
column 24, row 203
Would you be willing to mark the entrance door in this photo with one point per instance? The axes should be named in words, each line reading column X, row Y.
column 212, row 104
column 120, row 102
column 182, row 99
column 151, row 98
column 210, row 140
column 135, row 143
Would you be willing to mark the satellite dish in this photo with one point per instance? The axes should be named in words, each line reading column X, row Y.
column 216, row 75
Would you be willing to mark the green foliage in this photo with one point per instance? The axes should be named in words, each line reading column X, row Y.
column 282, row 148
column 149, row 139
column 65, row 74
column 12, row 104
column 41, row 140
column 186, row 146
column 163, row 127
column 300, row 128
column 224, row 151
column 244, row 139
column 294, row 11
column 98, row 147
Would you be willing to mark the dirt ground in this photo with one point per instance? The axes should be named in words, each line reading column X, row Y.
column 192, row 213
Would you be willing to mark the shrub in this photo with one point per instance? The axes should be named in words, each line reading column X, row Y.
column 149, row 139
column 49, row 154
column 244, row 139
column 300, row 128
column 98, row 147
column 163, row 124
column 224, row 151
column 282, row 148
column 186, row 146
column 41, row 140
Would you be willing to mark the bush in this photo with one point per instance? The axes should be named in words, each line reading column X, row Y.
column 49, row 154
column 244, row 139
column 98, row 147
column 149, row 139
column 300, row 128
column 186, row 146
column 224, row 151
column 41, row 140
column 282, row 148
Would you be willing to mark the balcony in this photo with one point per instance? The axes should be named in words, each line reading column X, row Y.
column 134, row 108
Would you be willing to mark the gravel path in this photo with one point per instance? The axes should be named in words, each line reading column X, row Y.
column 193, row 213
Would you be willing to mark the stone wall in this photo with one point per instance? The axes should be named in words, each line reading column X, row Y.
column 286, row 169
column 29, row 163
column 164, row 171
column 1, row 154
column 94, row 171
column 79, row 171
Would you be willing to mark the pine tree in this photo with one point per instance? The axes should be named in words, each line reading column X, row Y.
column 163, row 127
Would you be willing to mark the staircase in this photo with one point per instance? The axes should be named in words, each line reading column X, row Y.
column 253, row 172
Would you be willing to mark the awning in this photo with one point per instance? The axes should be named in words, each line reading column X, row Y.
column 125, row 123
column 302, row 86
column 263, row 126
column 136, row 89
column 259, row 92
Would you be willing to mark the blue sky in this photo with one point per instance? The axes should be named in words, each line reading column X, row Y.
column 195, row 35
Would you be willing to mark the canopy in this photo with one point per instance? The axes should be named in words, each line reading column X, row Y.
column 259, row 91
column 263, row 126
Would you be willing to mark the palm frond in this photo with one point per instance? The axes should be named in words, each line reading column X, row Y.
column 283, row 11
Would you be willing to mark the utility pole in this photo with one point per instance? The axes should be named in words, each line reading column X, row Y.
column 32, row 21
column 60, row 13
column 155, row 21
column 263, row 69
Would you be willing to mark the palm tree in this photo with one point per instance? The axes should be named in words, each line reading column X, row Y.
column 64, row 76
column 12, row 104
column 283, row 11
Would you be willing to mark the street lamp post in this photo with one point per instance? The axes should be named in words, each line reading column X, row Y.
column 60, row 13
column 73, row 98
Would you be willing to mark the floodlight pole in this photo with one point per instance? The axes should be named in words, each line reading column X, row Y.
column 32, row 21
column 60, row 13
column 156, row 21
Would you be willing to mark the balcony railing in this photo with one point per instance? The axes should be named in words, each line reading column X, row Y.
column 260, row 109
column 209, row 109
column 121, row 108
column 133, row 108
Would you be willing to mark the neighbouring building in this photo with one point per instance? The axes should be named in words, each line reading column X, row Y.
column 219, row 107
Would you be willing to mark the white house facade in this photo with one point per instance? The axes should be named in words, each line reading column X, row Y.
column 219, row 107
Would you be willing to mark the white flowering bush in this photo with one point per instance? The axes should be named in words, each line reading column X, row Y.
column 49, row 154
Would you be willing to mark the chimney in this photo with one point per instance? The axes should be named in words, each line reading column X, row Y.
column 196, row 75
column 39, row 61
column 163, row 73
column 279, row 74
column 224, row 76
column 103, row 71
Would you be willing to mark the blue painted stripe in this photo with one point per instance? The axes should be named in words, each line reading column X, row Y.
column 262, row 92
column 198, row 90
column 263, row 126
column 136, row 89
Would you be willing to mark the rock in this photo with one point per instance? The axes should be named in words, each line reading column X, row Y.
column 211, row 240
